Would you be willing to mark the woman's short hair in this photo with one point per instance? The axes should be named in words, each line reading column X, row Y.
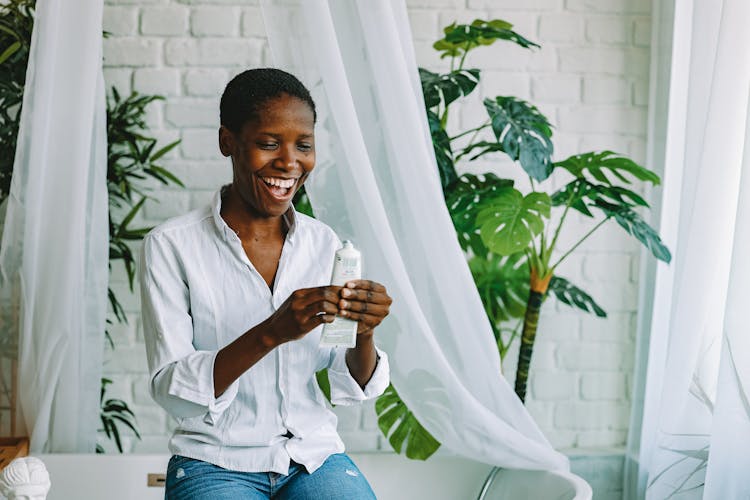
column 246, row 94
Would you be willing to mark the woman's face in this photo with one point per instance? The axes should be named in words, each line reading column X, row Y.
column 273, row 155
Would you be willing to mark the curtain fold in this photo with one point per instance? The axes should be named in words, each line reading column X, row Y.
column 376, row 183
column 695, row 414
column 54, row 254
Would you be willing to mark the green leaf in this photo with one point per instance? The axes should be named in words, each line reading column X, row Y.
column 511, row 221
column 12, row 49
column 582, row 194
column 162, row 173
column 127, row 422
column 301, row 202
column 166, row 149
column 6, row 29
column 129, row 217
column 465, row 198
column 443, row 152
column 448, row 87
column 401, row 428
column 462, row 38
column 324, row 383
column 607, row 167
column 634, row 224
column 503, row 286
column 524, row 134
column 485, row 147
column 569, row 294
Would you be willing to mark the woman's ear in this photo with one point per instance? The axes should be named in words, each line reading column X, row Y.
column 226, row 141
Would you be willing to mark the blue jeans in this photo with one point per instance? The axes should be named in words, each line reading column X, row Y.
column 337, row 479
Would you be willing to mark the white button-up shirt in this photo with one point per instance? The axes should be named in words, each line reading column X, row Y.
column 199, row 292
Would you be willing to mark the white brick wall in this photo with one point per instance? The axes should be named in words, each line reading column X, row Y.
column 590, row 78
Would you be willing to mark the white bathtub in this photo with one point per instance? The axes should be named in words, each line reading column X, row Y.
column 393, row 477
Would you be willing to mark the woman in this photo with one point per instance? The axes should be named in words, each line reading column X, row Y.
column 233, row 298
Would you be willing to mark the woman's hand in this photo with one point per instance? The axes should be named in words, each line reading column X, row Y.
column 366, row 302
column 301, row 312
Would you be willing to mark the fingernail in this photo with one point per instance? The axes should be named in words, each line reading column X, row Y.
column 344, row 303
column 346, row 293
column 350, row 285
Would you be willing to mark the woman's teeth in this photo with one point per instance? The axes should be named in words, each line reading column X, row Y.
column 279, row 182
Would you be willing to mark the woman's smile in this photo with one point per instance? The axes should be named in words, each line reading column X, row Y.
column 280, row 188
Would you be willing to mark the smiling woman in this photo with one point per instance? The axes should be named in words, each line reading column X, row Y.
column 273, row 153
column 233, row 299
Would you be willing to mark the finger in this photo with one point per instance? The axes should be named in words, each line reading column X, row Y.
column 306, row 296
column 366, row 296
column 315, row 321
column 364, row 307
column 318, row 320
column 365, row 285
column 371, row 320
column 320, row 307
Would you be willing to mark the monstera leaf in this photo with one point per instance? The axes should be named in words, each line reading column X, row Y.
column 447, row 88
column 581, row 194
column 607, row 167
column 443, row 152
column 400, row 426
column 503, row 285
column 569, row 294
column 634, row 224
column 465, row 198
column 522, row 132
column 511, row 220
column 461, row 38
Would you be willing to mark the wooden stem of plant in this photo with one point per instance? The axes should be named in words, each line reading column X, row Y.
column 537, row 292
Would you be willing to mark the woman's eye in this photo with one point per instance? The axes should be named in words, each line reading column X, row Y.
column 267, row 145
column 304, row 147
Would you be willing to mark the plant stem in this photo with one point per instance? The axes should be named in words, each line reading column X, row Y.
column 579, row 242
column 475, row 130
column 559, row 227
column 471, row 141
column 537, row 290
column 463, row 57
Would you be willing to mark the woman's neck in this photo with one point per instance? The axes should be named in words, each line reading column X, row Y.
column 248, row 224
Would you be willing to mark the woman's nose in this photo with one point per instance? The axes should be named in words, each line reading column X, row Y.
column 288, row 159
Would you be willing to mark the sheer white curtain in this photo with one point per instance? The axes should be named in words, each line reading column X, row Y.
column 376, row 183
column 695, row 414
column 54, row 256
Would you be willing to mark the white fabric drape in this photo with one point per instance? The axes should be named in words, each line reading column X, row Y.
column 695, row 429
column 376, row 183
column 54, row 256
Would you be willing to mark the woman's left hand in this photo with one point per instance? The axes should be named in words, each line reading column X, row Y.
column 366, row 302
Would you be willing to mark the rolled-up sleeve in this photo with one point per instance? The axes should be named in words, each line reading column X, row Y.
column 182, row 380
column 345, row 390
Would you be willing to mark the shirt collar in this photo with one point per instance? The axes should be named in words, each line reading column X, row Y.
column 289, row 217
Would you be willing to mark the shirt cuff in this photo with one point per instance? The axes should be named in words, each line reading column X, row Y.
column 193, row 381
column 346, row 391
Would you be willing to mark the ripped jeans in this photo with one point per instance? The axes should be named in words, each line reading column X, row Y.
column 337, row 479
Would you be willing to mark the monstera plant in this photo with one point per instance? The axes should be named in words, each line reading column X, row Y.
column 512, row 237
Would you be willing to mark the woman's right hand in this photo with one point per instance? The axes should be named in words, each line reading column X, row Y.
column 301, row 312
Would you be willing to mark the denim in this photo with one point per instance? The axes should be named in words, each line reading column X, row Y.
column 337, row 479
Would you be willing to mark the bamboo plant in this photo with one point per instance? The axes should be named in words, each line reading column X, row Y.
column 132, row 158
